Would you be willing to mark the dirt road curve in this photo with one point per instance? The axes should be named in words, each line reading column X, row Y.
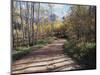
column 50, row 58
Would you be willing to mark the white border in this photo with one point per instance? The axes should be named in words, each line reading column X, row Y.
column 5, row 36
column 86, row 2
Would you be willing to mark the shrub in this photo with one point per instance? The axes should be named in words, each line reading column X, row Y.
column 83, row 52
column 21, row 52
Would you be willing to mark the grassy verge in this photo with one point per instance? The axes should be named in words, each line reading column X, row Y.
column 83, row 52
column 22, row 51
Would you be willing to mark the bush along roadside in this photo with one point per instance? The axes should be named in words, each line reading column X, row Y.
column 83, row 52
column 22, row 51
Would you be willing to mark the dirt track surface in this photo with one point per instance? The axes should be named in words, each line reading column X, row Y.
column 50, row 58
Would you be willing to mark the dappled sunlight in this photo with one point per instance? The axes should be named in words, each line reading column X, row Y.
column 50, row 37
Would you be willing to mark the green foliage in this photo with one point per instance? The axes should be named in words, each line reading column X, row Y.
column 21, row 52
column 78, row 27
column 81, row 32
column 45, row 41
column 22, row 48
column 41, row 41
column 80, row 23
column 84, row 52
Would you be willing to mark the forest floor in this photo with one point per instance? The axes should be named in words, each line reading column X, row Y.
column 50, row 58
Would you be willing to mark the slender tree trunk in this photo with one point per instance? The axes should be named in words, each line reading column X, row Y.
column 28, row 23
column 16, row 38
column 32, row 23
column 22, row 27
column 13, row 38
column 37, row 24
column 50, row 6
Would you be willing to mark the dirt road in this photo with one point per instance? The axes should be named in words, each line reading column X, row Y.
column 50, row 58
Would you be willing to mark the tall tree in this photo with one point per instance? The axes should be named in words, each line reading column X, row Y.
column 15, row 25
column 51, row 15
column 33, row 23
column 37, row 23
column 13, row 13
column 79, row 23
column 27, row 19
column 22, row 26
